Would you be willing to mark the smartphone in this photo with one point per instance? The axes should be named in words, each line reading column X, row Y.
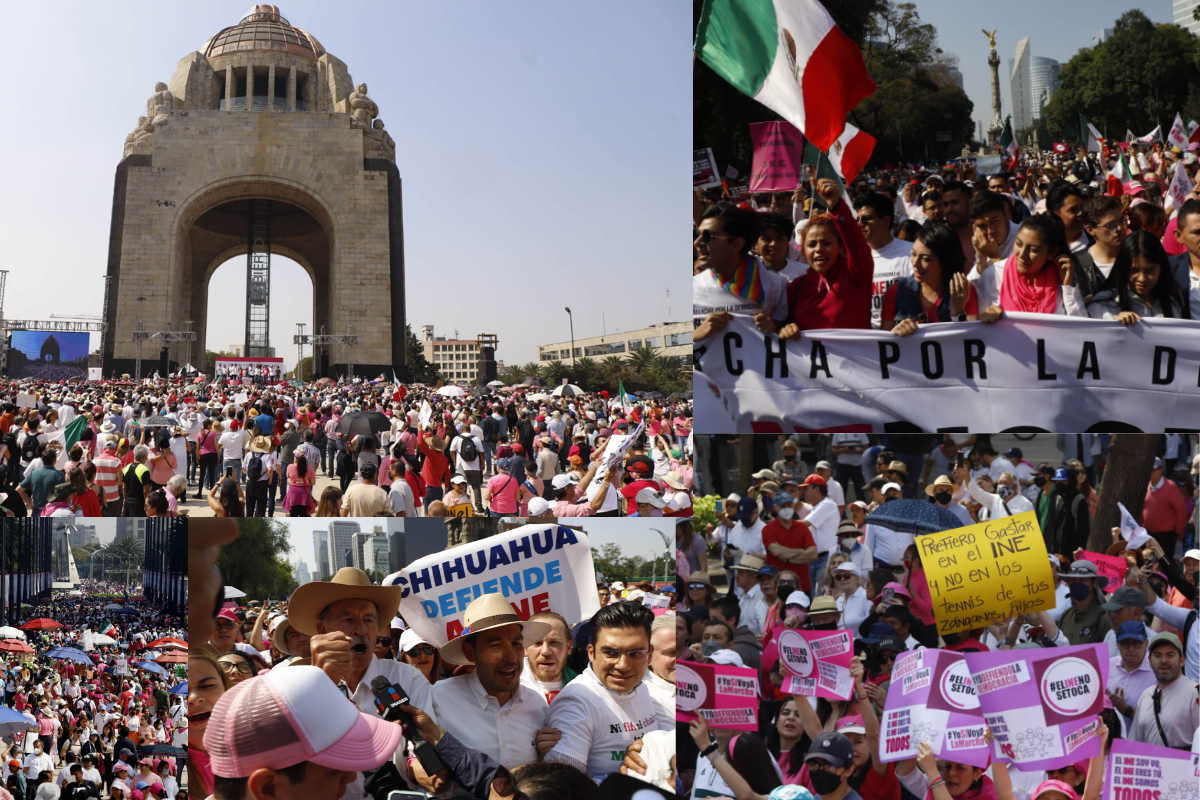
column 888, row 595
column 229, row 472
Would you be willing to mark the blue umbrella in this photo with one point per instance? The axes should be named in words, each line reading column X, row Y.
column 72, row 654
column 179, row 689
column 913, row 516
column 126, row 611
column 150, row 665
column 13, row 721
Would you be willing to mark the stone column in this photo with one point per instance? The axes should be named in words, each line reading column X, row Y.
column 230, row 87
column 291, row 89
column 271, row 88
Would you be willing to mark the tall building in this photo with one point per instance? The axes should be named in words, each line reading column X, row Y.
column 1184, row 9
column 955, row 76
column 1101, row 35
column 341, row 544
column 302, row 576
column 321, row 550
column 1043, row 82
column 1022, row 104
column 416, row 538
column 459, row 360
column 375, row 551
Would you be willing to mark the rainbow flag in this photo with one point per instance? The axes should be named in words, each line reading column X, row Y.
column 746, row 283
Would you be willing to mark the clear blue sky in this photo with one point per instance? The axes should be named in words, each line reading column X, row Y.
column 1056, row 29
column 541, row 145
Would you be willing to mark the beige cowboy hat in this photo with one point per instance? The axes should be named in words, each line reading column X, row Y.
column 487, row 612
column 898, row 466
column 437, row 443
column 752, row 563
column 279, row 635
column 260, row 444
column 350, row 583
column 942, row 480
column 700, row 577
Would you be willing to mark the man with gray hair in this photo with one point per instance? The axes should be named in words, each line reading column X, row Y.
column 660, row 678
column 136, row 479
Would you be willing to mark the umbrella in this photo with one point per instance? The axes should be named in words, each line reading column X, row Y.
column 133, row 611
column 537, row 398
column 179, row 688
column 152, row 667
column 159, row 422
column 40, row 622
column 172, row 658
column 913, row 516
column 495, row 383
column 70, row 653
column 8, row 632
column 232, row 591
column 198, row 380
column 26, row 605
column 100, row 638
column 161, row 749
column 168, row 641
column 451, row 391
column 325, row 380
column 567, row 390
column 12, row 721
column 113, row 607
column 363, row 423
column 14, row 646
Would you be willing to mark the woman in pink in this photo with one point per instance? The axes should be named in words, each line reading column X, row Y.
column 922, row 603
column 301, row 477
column 500, row 493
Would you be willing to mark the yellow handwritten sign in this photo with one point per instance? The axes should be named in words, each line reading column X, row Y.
column 984, row 573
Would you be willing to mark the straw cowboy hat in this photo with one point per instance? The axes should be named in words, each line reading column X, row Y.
column 350, row 583
column 898, row 466
column 942, row 480
column 279, row 628
column 750, row 563
column 260, row 444
column 487, row 612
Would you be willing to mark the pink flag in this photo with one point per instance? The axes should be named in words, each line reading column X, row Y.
column 778, row 157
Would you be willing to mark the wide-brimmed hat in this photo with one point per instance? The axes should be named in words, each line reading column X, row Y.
column 1082, row 568
column 675, row 481
column 260, row 444
column 350, row 583
column 700, row 577
column 749, row 562
column 437, row 443
column 897, row 466
column 108, row 427
column 279, row 635
column 486, row 612
column 942, row 480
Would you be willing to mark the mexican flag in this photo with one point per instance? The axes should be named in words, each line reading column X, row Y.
column 1193, row 128
column 1120, row 175
column 1090, row 136
column 1007, row 143
column 791, row 57
column 108, row 629
column 850, row 152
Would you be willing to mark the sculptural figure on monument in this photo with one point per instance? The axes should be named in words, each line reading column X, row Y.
column 991, row 37
column 362, row 108
column 160, row 105
column 142, row 138
column 383, row 137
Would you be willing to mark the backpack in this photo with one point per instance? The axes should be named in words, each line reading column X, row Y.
column 29, row 448
column 466, row 449
column 319, row 436
column 254, row 470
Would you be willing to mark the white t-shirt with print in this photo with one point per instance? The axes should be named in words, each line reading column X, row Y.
column 790, row 272
column 597, row 724
column 892, row 263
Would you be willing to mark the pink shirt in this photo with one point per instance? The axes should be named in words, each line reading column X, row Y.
column 564, row 509
column 503, row 492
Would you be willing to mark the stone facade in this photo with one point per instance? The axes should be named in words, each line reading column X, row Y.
column 204, row 150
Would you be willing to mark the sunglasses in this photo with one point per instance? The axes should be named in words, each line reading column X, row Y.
column 845, row 576
column 421, row 650
column 383, row 640
column 887, row 655
column 697, row 586
column 704, row 237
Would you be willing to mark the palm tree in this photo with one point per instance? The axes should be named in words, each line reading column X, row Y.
column 125, row 552
column 531, row 370
column 511, row 375
column 641, row 360
column 586, row 371
column 614, row 370
column 555, row 371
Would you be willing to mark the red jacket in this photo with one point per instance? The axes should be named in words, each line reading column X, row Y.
column 841, row 298
column 1164, row 510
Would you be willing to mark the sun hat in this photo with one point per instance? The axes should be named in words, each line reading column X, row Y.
column 291, row 715
column 349, row 583
column 260, row 444
column 486, row 612
column 700, row 577
column 1082, row 568
column 823, row 604
column 749, row 563
column 942, row 480
column 675, row 481
column 279, row 630
column 897, row 466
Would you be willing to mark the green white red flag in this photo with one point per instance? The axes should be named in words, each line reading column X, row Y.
column 108, row 629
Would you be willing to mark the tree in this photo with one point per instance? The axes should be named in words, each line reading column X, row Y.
column 210, row 361
column 419, row 370
column 304, row 370
column 257, row 561
column 126, row 555
column 1126, row 476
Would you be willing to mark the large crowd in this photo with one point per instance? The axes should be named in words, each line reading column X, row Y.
column 337, row 449
column 285, row 696
column 802, row 547
column 913, row 245
column 90, row 712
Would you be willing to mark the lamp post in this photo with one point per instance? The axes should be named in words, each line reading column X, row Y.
column 667, row 549
column 571, row 317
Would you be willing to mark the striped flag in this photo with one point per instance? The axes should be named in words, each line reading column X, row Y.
column 1007, row 144
column 851, row 151
column 791, row 57
column 108, row 629
column 1193, row 129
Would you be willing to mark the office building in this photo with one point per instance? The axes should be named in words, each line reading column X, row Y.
column 954, row 75
column 669, row 338
column 375, row 551
column 414, row 538
column 301, row 572
column 460, row 360
column 341, row 544
column 1100, row 36
column 321, row 550
column 1022, row 105
column 1183, row 15
column 1043, row 82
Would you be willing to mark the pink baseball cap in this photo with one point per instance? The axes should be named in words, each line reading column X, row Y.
column 852, row 724
column 1054, row 786
column 227, row 613
column 281, row 718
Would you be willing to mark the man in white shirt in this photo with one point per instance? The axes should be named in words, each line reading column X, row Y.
column 822, row 522
column 893, row 257
column 942, row 491
column 996, row 464
column 753, row 606
column 471, row 469
column 994, row 235
column 230, row 444
column 848, row 450
column 37, row 761
column 546, row 668
column 608, row 706
column 660, row 678
column 836, row 493
column 745, row 535
column 886, row 545
column 774, row 235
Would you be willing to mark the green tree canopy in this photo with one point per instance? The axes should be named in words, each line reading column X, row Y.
column 257, row 561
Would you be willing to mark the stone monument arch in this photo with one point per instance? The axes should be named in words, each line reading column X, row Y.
column 260, row 144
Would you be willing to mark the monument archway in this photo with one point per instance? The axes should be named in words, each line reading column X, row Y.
column 260, row 145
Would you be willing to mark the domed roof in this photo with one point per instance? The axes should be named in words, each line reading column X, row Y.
column 264, row 28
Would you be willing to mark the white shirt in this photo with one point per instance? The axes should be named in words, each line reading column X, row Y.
column 892, row 263
column 987, row 284
column 823, row 521
column 179, row 448
column 790, row 272
column 543, row 688
column 597, row 723
column 748, row 540
column 505, row 733
column 35, row 764
column 609, row 503
column 961, row 512
column 836, row 493
column 231, row 443
column 886, row 544
column 662, row 692
column 850, row 440
column 994, row 504
column 397, row 497
column 708, row 296
column 854, row 608
column 268, row 460
column 754, row 609
column 459, row 462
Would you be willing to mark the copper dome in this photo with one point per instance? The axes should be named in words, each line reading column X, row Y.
column 264, row 28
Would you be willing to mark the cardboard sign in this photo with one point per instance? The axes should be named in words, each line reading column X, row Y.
column 87, row 641
column 615, row 450
column 817, row 662
column 704, row 169
column 987, row 572
column 536, row 567
column 1042, row 704
column 1111, row 567
column 726, row 697
column 656, row 600
column 26, row 400
column 932, row 699
column 1137, row 770
column 778, row 157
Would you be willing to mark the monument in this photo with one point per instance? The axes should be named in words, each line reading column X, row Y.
column 260, row 144
column 996, row 126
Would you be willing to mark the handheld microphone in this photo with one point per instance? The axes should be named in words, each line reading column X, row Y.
column 388, row 699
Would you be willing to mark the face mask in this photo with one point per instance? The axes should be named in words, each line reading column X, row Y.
column 942, row 497
column 825, row 626
column 848, row 543
column 747, row 523
column 1079, row 590
column 908, row 565
column 824, row 782
column 710, row 647
column 1006, row 492
column 1039, row 481
column 786, row 512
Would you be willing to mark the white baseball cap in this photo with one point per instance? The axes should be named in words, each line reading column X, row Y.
column 410, row 639
column 562, row 481
column 846, row 566
column 888, row 486
column 1193, row 553
column 650, row 497
column 538, row 506
column 458, row 479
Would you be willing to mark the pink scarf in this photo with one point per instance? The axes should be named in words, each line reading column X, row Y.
column 1037, row 296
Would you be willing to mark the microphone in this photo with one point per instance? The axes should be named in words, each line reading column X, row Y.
column 388, row 699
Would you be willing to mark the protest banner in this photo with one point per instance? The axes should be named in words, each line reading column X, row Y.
column 932, row 699
column 536, row 567
column 704, row 169
column 95, row 373
column 1035, row 371
column 25, row 400
column 656, row 601
column 1139, row 771
column 1111, row 567
column 778, row 157
column 1042, row 704
column 987, row 572
column 618, row 445
column 818, row 662
column 726, row 697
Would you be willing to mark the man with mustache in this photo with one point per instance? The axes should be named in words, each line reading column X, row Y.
column 547, row 671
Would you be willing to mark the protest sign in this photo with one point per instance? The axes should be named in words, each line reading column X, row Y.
column 536, row 567
column 778, row 157
column 1134, row 535
column 985, row 572
column 425, row 414
column 618, row 445
column 656, row 601
column 932, row 699
column 818, row 662
column 1180, row 189
column 1051, row 373
column 25, row 400
column 726, row 697
column 704, row 169
column 1042, row 704
column 1139, row 771
column 95, row 373
column 1111, row 567
column 87, row 640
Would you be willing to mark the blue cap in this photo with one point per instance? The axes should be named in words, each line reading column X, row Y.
column 782, row 497
column 768, row 569
column 746, row 507
column 1131, row 630
column 1014, row 451
column 1060, row 474
column 878, row 631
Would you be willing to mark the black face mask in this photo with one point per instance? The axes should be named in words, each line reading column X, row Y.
column 942, row 497
column 1039, row 481
column 825, row 626
column 824, row 782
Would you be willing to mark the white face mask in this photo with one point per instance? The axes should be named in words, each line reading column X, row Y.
column 849, row 543
column 786, row 512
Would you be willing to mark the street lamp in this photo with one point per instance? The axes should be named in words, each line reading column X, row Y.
column 667, row 548
column 571, row 317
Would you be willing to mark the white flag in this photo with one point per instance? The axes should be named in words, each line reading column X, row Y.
column 1180, row 189
column 1151, row 137
column 1134, row 535
column 1178, row 134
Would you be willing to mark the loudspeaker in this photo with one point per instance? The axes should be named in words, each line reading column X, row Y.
column 324, row 364
column 487, row 364
column 164, row 361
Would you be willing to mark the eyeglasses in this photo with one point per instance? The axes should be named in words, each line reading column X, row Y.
column 697, row 586
column 239, row 666
column 421, row 650
column 1113, row 227
column 704, row 237
column 383, row 640
column 615, row 655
